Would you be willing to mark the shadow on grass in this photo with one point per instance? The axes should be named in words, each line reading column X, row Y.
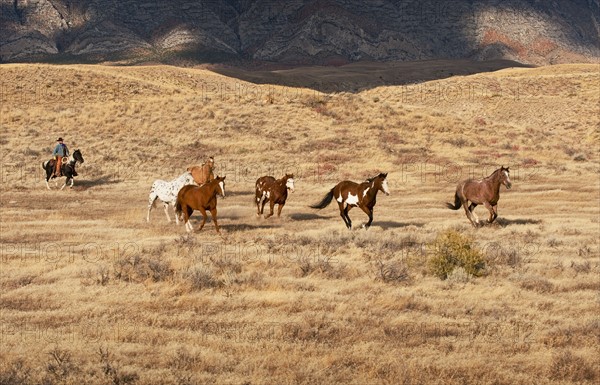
column 503, row 222
column 306, row 217
column 245, row 226
column 395, row 225
column 88, row 183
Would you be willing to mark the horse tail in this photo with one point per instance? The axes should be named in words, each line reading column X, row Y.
column 457, row 203
column 325, row 201
column 178, row 208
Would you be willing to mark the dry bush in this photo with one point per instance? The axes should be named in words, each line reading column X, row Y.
column 139, row 269
column 15, row 373
column 391, row 271
column 567, row 366
column 450, row 250
column 584, row 267
column 497, row 255
column 182, row 364
column 537, row 284
column 323, row 266
column 201, row 277
column 113, row 372
column 459, row 275
column 60, row 365
column 95, row 276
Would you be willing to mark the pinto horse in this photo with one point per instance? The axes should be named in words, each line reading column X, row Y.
column 67, row 170
column 349, row 194
column 203, row 174
column 274, row 191
column 167, row 193
column 484, row 191
column 201, row 198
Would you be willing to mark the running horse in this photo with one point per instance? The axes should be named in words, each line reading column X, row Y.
column 273, row 191
column 201, row 198
column 349, row 194
column 484, row 191
column 167, row 193
column 203, row 174
column 67, row 170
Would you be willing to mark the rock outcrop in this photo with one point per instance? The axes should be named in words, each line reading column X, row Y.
column 300, row 32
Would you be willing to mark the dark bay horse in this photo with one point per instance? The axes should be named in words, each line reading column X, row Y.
column 273, row 191
column 484, row 191
column 201, row 198
column 349, row 194
column 67, row 170
column 203, row 174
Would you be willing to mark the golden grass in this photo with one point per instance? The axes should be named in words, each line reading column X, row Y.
column 91, row 293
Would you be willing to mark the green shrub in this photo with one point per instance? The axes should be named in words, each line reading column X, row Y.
column 452, row 249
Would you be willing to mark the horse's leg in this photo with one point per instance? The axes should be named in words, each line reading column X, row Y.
column 279, row 209
column 264, row 202
column 213, row 214
column 468, row 212
column 66, row 181
column 495, row 207
column 186, row 217
column 166, row 208
column 491, row 210
column 204, row 216
column 47, row 179
column 369, row 212
column 258, row 198
column 472, row 210
column 186, row 214
column 151, row 199
column 175, row 212
column 72, row 181
column 349, row 221
column 271, row 207
column 342, row 213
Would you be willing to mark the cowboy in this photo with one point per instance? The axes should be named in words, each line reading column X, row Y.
column 60, row 151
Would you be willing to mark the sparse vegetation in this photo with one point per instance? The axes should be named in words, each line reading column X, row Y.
column 299, row 299
column 452, row 250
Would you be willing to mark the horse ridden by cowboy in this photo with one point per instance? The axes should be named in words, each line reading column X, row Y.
column 60, row 151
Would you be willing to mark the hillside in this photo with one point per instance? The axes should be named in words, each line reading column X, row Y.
column 329, row 32
column 91, row 293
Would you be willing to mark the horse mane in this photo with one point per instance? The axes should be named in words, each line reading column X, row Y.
column 496, row 172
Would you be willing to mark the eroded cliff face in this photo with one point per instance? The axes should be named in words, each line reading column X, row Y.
column 295, row 31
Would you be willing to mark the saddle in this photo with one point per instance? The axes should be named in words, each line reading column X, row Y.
column 53, row 165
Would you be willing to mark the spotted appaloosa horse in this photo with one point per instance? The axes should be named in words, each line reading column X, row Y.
column 201, row 198
column 273, row 191
column 203, row 174
column 167, row 193
column 349, row 194
column 484, row 191
column 67, row 170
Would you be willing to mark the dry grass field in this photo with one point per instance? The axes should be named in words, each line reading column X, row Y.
column 92, row 294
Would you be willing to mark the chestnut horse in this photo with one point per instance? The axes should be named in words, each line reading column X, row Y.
column 484, row 191
column 274, row 191
column 349, row 194
column 203, row 174
column 201, row 198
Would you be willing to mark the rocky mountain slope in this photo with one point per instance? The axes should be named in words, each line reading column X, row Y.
column 299, row 32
